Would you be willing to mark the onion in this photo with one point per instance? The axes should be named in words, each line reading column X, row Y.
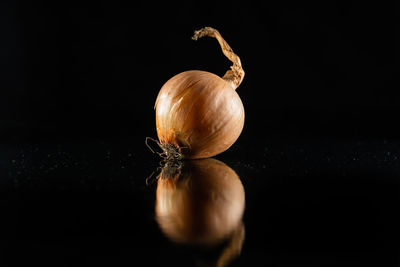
column 201, row 203
column 199, row 114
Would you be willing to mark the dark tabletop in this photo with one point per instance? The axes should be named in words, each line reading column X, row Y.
column 326, row 202
column 318, row 158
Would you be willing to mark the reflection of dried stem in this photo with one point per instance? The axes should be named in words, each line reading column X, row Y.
column 234, row 247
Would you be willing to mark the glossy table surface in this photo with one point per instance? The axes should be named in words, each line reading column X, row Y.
column 330, row 202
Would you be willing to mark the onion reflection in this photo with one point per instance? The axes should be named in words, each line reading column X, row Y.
column 201, row 203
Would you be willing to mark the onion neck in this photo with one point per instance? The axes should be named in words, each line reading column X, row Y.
column 236, row 74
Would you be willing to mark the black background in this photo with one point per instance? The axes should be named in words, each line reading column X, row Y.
column 312, row 69
column 318, row 155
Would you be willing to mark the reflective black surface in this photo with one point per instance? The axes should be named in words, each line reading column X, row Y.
column 318, row 158
column 315, row 203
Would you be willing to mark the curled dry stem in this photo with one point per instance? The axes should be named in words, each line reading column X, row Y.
column 236, row 74
column 234, row 246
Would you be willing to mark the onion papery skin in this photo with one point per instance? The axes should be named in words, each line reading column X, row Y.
column 199, row 114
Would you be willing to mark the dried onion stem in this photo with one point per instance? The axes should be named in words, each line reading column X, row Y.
column 236, row 74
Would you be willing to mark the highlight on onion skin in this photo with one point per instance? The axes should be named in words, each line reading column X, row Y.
column 199, row 114
column 201, row 203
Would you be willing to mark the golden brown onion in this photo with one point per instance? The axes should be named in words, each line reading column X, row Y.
column 201, row 203
column 199, row 114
